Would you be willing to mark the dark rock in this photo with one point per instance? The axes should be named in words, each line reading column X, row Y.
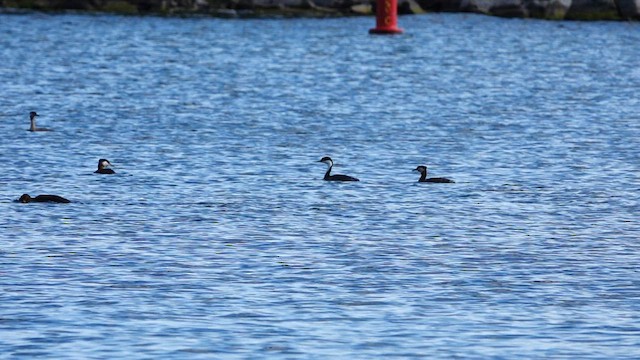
column 441, row 5
column 629, row 9
column 548, row 9
column 508, row 8
column 592, row 10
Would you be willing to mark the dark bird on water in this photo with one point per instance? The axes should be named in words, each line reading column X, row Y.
column 32, row 116
column 423, row 176
column 102, row 167
column 25, row 198
column 327, row 176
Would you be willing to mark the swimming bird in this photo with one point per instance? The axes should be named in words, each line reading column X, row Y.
column 102, row 167
column 423, row 176
column 25, row 198
column 327, row 176
column 32, row 116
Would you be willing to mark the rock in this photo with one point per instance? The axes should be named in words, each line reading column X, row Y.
column 548, row 9
column 415, row 7
column 592, row 10
column 441, row 5
column 363, row 9
column 629, row 9
column 508, row 8
column 505, row 8
column 120, row 7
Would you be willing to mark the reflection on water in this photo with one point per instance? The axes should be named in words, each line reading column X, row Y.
column 218, row 238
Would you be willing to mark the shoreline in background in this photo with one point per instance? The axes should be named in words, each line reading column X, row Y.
column 538, row 9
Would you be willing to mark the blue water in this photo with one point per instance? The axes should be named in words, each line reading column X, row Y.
column 218, row 238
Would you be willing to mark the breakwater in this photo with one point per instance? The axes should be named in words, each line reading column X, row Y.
column 542, row 9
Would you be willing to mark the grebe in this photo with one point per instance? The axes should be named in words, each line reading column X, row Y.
column 32, row 116
column 102, row 167
column 327, row 176
column 423, row 176
column 25, row 198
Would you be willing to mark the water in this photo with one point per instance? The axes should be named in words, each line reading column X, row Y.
column 218, row 238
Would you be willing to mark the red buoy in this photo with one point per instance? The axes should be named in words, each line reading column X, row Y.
column 386, row 18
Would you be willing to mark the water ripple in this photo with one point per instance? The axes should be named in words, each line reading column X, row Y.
column 218, row 238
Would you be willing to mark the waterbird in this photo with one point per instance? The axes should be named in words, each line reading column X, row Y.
column 327, row 176
column 25, row 198
column 32, row 116
column 102, row 167
column 423, row 176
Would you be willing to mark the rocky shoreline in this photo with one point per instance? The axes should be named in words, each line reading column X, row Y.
column 540, row 9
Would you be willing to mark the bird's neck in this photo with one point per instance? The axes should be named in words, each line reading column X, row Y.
column 327, row 174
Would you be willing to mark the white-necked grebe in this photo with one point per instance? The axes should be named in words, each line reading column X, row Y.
column 327, row 176
column 32, row 116
column 423, row 176
column 102, row 167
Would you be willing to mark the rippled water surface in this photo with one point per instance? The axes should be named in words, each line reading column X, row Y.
column 218, row 238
